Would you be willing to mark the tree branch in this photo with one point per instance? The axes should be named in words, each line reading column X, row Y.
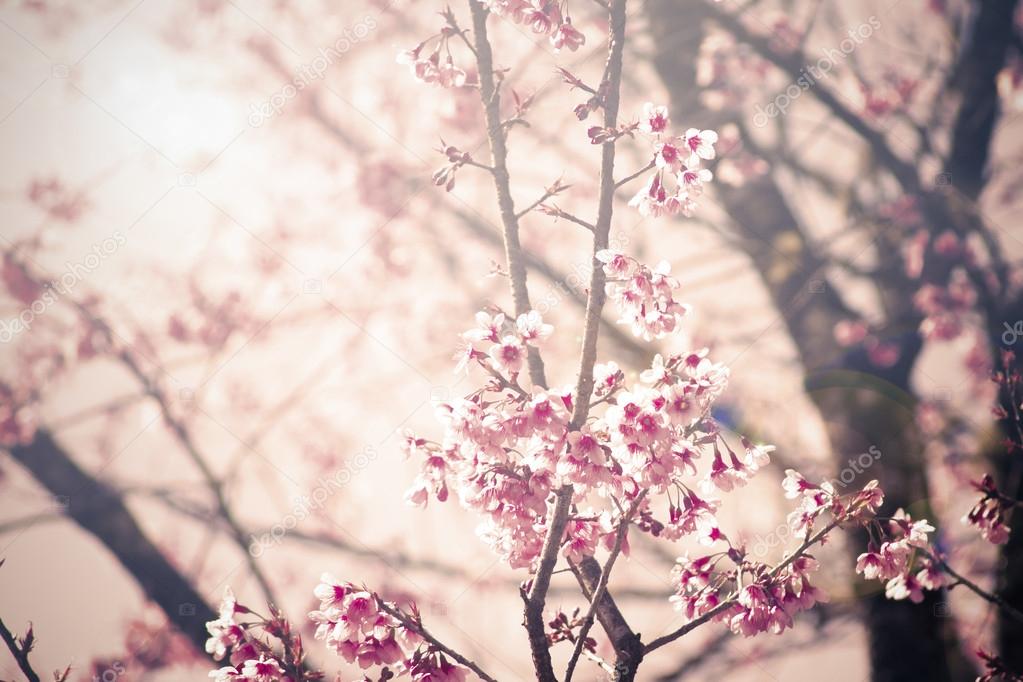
column 598, row 593
column 104, row 514
column 417, row 627
column 20, row 653
column 605, row 210
column 976, row 589
column 499, row 161
column 627, row 645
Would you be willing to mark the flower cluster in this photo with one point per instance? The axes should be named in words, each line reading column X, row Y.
column 856, row 333
column 357, row 624
column 767, row 602
column 252, row 658
column 506, row 342
column 644, row 297
column 506, row 448
column 436, row 65
column 989, row 514
column 945, row 306
column 816, row 499
column 677, row 177
column 351, row 623
column 501, row 444
column 897, row 548
column 362, row 628
column 545, row 17
column 751, row 597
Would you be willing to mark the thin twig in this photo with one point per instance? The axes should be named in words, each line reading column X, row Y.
column 418, row 628
column 573, row 219
column 605, row 210
column 635, row 175
column 20, row 653
column 499, row 161
column 476, row 164
column 627, row 646
column 546, row 195
column 975, row 588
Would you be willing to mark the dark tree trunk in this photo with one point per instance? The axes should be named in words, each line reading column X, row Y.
column 980, row 61
column 1009, row 469
column 101, row 511
column 862, row 405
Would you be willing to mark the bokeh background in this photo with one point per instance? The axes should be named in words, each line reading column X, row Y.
column 256, row 287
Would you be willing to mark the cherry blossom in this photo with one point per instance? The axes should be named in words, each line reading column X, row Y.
column 654, row 119
column 262, row 670
column 226, row 674
column 700, row 144
column 233, row 635
column 656, row 199
column 366, row 630
column 668, row 155
column 561, row 474
column 678, row 177
column 902, row 546
column 568, row 36
column 644, row 296
column 989, row 514
column 751, row 597
column 532, row 329
column 546, row 17
column 436, row 66
column 508, row 355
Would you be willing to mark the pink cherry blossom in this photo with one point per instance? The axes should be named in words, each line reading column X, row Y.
column 508, row 356
column 654, row 119
column 677, row 178
column 668, row 155
column 531, row 328
column 700, row 144
column 262, row 670
column 567, row 36
column 989, row 514
column 645, row 299
column 904, row 586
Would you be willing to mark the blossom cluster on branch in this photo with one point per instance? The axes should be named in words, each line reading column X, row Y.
column 257, row 648
column 899, row 555
column 750, row 596
column 645, row 297
column 506, row 448
column 677, row 178
column 357, row 624
column 545, row 17
column 568, row 472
